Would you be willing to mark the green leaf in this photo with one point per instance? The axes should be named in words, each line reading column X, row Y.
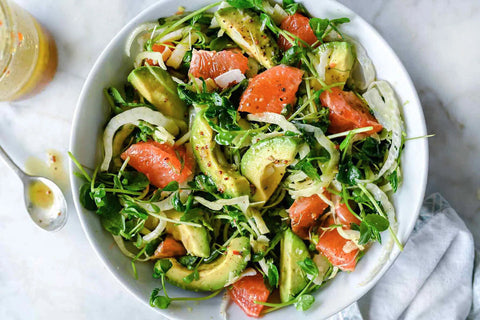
column 376, row 221
column 272, row 275
column 365, row 233
column 319, row 27
column 161, row 268
column 108, row 205
column 219, row 43
column 177, row 202
column 132, row 209
column 134, row 180
column 241, row 4
column 204, row 182
column 158, row 301
column 152, row 246
column 192, row 276
column 172, row 186
column 293, row 55
column 304, row 302
column 348, row 173
column 225, row 138
column 306, row 166
column 98, row 195
column 188, row 261
column 290, row 6
column 309, row 267
column 85, row 199
column 146, row 130
column 346, row 142
column 393, row 179
column 267, row 21
column 338, row 21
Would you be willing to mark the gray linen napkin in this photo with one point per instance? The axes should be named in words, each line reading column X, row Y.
column 433, row 278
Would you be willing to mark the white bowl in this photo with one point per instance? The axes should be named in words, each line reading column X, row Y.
column 90, row 117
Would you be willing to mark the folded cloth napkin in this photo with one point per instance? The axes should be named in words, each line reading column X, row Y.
column 434, row 278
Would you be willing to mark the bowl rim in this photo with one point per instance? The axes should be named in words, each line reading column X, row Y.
column 422, row 180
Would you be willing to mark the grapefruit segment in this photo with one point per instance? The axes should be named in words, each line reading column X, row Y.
column 271, row 90
column 160, row 162
column 347, row 112
column 298, row 25
column 211, row 64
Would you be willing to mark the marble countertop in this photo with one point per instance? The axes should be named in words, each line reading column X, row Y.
column 44, row 275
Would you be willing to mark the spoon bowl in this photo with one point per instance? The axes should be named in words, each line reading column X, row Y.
column 45, row 203
column 44, row 200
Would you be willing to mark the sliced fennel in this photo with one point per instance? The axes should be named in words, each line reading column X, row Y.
column 274, row 118
column 363, row 72
column 165, row 125
column 381, row 99
column 157, row 231
column 156, row 57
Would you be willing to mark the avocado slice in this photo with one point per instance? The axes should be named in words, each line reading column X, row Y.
column 194, row 239
column 265, row 162
column 245, row 29
column 292, row 279
column 215, row 275
column 340, row 61
column 157, row 86
column 212, row 162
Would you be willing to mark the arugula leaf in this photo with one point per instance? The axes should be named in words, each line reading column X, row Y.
column 177, row 202
column 132, row 209
column 370, row 150
column 110, row 216
column 291, row 7
column 241, row 4
column 170, row 187
column 267, row 21
column 192, row 276
column 370, row 228
column 219, row 43
column 134, row 180
column 161, row 267
column 220, row 113
column 85, row 198
column 348, row 173
column 118, row 103
column 160, row 302
column 376, row 221
column 192, row 215
column 204, row 182
column 308, row 168
column 214, row 254
column 319, row 27
column 145, row 131
column 272, row 275
column 151, row 246
column 188, row 261
column 293, row 55
column 393, row 179
column 309, row 267
column 304, row 302
column 247, row 4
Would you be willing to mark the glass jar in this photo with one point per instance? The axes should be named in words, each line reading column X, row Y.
column 28, row 55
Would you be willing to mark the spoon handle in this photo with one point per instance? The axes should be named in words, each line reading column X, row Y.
column 9, row 162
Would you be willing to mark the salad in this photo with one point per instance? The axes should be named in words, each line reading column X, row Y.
column 251, row 150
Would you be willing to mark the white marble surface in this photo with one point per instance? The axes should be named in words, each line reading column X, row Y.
column 58, row 276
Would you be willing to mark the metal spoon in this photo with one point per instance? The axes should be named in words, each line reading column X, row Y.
column 43, row 198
